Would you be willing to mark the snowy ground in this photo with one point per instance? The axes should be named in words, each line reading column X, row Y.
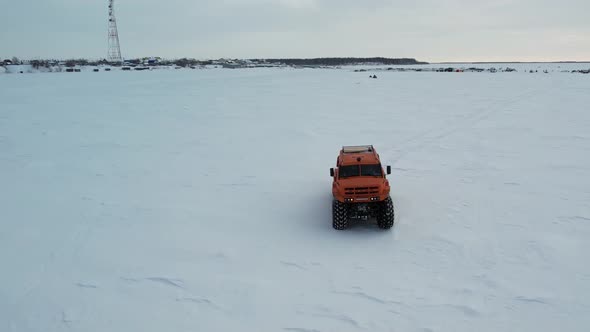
column 200, row 201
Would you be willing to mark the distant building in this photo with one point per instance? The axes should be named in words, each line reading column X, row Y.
column 152, row 61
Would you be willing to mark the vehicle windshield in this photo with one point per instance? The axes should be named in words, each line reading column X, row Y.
column 359, row 170
column 371, row 170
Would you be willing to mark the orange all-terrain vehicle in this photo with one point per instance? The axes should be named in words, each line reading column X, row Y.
column 360, row 188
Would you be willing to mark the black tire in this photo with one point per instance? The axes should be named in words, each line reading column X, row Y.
column 385, row 214
column 339, row 215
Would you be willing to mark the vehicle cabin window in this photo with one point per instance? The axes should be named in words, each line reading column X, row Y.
column 359, row 170
column 348, row 171
column 371, row 170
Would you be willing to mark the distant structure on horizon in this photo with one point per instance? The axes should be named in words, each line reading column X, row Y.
column 114, row 53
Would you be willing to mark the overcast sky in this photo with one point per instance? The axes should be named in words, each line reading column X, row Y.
column 429, row 30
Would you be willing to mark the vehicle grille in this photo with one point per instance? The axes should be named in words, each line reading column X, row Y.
column 361, row 190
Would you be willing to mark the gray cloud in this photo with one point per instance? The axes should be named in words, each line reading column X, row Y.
column 426, row 29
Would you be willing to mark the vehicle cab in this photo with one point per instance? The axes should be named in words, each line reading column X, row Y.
column 359, row 176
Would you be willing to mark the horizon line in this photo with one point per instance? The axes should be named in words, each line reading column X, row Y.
column 309, row 58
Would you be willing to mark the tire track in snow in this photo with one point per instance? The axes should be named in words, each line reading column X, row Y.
column 200, row 301
column 295, row 265
column 431, row 135
column 579, row 218
column 179, row 283
column 64, row 251
column 86, row 285
column 341, row 318
column 363, row 295
column 188, row 296
column 327, row 313
column 537, row 300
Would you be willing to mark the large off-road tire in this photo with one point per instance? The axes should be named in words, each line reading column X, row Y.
column 385, row 214
column 339, row 215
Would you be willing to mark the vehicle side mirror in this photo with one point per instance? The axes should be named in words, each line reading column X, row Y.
column 331, row 172
column 388, row 169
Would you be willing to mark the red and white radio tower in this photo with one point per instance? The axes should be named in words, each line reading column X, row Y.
column 114, row 54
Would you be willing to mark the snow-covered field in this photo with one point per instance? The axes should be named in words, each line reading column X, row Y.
column 201, row 201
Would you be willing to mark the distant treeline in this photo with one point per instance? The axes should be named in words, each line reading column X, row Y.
column 188, row 62
column 346, row 61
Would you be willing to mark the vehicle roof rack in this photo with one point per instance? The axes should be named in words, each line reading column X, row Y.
column 357, row 148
